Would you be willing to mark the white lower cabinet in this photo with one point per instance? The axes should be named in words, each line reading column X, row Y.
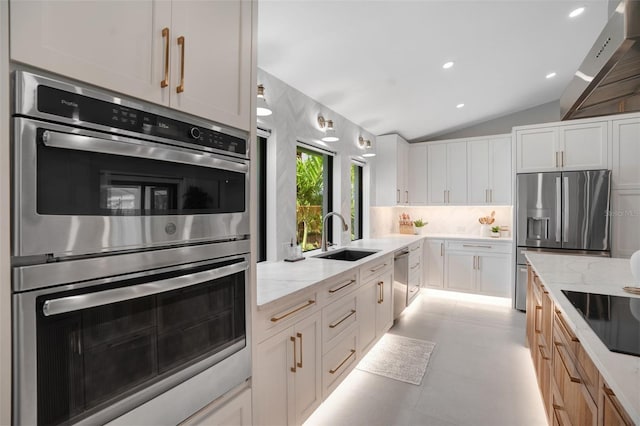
column 474, row 267
column 339, row 361
column 434, row 252
column 236, row 411
column 625, row 222
column 287, row 378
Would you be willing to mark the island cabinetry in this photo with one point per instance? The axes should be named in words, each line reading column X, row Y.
column 572, row 388
column 191, row 56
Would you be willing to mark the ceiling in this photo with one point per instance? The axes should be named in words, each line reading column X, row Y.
column 379, row 63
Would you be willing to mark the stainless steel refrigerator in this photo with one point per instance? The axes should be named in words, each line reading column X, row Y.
column 564, row 212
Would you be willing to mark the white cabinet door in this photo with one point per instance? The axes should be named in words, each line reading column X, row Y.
column 216, row 58
column 626, row 152
column 402, row 171
column 308, row 374
column 493, row 275
column 625, row 222
column 435, row 263
column 584, row 146
column 536, row 150
column 367, row 299
column 500, row 171
column 273, row 381
column 457, row 173
column 417, row 174
column 235, row 412
column 384, row 307
column 459, row 270
column 437, row 173
column 478, row 176
column 117, row 45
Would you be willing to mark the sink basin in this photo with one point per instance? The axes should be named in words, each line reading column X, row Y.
column 349, row 255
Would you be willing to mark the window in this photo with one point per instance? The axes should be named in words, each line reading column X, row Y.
column 313, row 196
column 262, row 198
column 356, row 201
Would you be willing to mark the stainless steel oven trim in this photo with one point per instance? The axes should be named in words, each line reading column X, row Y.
column 63, row 236
column 136, row 148
column 25, row 362
column 92, row 271
column 26, row 85
column 75, row 303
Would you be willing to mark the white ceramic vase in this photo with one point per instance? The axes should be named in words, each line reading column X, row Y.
column 635, row 266
column 485, row 231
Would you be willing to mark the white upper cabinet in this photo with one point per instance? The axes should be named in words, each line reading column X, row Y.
column 626, row 154
column 146, row 49
column 417, row 174
column 392, row 174
column 489, row 172
column 582, row 146
column 447, row 173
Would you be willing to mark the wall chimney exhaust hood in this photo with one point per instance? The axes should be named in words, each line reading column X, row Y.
column 608, row 81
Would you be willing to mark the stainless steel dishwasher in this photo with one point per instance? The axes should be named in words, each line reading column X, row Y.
column 400, row 281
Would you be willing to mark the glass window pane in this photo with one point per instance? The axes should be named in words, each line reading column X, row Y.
column 356, row 202
column 313, row 197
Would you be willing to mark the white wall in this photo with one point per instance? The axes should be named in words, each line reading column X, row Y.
column 294, row 119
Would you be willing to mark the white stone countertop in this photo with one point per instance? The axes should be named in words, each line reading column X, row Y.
column 594, row 275
column 280, row 279
column 466, row 237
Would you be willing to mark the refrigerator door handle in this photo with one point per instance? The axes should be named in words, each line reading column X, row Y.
column 565, row 208
column 558, row 209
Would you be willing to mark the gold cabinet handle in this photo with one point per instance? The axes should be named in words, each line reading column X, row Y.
column 346, row 317
column 415, row 266
column 333, row 371
column 180, row 88
column 562, row 158
column 343, row 285
column 377, row 268
column 541, row 349
column 165, row 34
column 293, row 340
column 283, row 316
column 299, row 335
column 535, row 319
column 565, row 328
column 560, row 348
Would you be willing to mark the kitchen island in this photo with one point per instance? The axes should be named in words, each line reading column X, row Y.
column 558, row 330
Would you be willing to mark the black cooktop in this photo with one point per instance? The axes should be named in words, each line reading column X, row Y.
column 615, row 319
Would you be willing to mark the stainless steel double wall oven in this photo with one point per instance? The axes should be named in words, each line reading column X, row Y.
column 130, row 251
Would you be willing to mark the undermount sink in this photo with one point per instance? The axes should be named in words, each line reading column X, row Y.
column 349, row 255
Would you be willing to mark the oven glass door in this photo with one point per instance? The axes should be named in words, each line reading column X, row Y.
column 97, row 346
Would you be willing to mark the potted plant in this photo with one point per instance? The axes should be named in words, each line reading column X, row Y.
column 495, row 231
column 420, row 226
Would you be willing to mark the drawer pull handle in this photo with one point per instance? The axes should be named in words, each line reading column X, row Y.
column 346, row 317
column 333, row 371
column 309, row 303
column 343, row 285
column 564, row 364
column 181, row 42
column 165, row 34
column 293, row 369
column 380, row 292
column 535, row 319
column 299, row 335
column 541, row 349
column 415, row 248
column 415, row 266
column 564, row 327
column 441, row 249
column 476, row 246
column 377, row 268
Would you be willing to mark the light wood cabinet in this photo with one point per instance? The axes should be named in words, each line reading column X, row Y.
column 391, row 175
column 474, row 267
column 140, row 49
column 489, row 171
column 287, row 376
column 583, row 146
column 434, row 252
column 447, row 173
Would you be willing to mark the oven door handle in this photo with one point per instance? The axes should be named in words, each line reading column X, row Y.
column 135, row 149
column 99, row 298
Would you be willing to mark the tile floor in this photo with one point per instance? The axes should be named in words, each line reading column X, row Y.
column 480, row 372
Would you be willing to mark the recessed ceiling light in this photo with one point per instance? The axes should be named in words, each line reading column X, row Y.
column 459, row 106
column 551, row 75
column 576, row 12
column 447, row 65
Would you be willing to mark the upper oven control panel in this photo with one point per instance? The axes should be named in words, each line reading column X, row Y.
column 84, row 107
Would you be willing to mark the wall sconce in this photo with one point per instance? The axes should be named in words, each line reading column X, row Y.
column 262, row 108
column 330, row 132
column 366, row 145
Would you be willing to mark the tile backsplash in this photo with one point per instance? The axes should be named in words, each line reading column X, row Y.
column 441, row 219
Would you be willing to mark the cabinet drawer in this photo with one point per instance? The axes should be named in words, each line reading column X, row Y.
column 479, row 246
column 563, row 334
column 611, row 411
column 375, row 268
column 336, row 318
column 339, row 361
column 338, row 287
column 415, row 252
column 285, row 314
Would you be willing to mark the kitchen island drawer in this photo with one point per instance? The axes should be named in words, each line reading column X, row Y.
column 336, row 318
column 337, row 287
column 339, row 361
column 376, row 267
column 284, row 314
